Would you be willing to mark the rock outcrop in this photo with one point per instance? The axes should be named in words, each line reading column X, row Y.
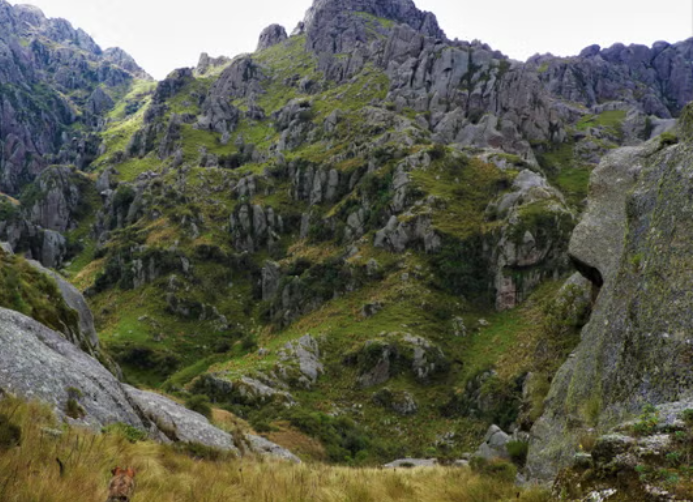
column 43, row 60
column 272, row 35
column 633, row 242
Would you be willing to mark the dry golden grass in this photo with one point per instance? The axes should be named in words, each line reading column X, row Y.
column 87, row 276
column 297, row 442
column 30, row 473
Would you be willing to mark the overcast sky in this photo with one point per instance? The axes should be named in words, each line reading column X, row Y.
column 167, row 34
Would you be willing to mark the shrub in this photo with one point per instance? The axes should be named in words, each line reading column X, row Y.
column 343, row 440
column 199, row 404
column 668, row 139
column 74, row 410
column 132, row 434
column 10, row 433
column 647, row 422
column 518, row 452
column 437, row 152
column 249, row 343
column 497, row 468
column 687, row 417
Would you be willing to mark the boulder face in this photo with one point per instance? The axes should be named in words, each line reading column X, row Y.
column 635, row 243
column 178, row 423
column 89, row 339
column 272, row 35
column 38, row 363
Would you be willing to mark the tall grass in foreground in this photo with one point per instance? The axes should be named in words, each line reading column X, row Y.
column 31, row 472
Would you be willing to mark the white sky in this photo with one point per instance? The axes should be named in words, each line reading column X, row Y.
column 166, row 34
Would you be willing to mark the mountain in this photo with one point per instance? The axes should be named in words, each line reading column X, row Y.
column 56, row 84
column 365, row 232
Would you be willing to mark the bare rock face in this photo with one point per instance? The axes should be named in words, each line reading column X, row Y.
column 384, row 358
column 635, row 349
column 597, row 243
column 60, row 198
column 272, row 35
column 494, row 445
column 180, row 424
column 89, row 339
column 38, row 363
column 240, row 80
column 327, row 18
column 532, row 242
column 121, row 58
column 206, row 63
column 41, row 60
column 600, row 75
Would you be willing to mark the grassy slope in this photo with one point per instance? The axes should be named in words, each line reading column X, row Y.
column 169, row 474
column 26, row 290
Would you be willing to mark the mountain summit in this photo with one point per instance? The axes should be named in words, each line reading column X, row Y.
column 330, row 17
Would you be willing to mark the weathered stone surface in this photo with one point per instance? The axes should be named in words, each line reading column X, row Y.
column 532, row 242
column 400, row 402
column 331, row 26
column 271, row 275
column 384, row 358
column 264, row 447
column 59, row 200
column 206, row 63
column 178, row 423
column 38, row 363
column 635, row 348
column 245, row 390
column 42, row 60
column 304, row 352
column 494, row 445
column 272, row 35
column 597, row 242
column 408, row 231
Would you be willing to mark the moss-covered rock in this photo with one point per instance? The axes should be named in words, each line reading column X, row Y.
column 635, row 349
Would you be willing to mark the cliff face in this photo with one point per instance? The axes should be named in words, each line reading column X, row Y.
column 50, row 78
column 634, row 243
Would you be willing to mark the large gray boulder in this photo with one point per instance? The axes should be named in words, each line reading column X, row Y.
column 178, row 423
column 304, row 354
column 494, row 445
column 38, row 363
column 265, row 447
column 597, row 242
